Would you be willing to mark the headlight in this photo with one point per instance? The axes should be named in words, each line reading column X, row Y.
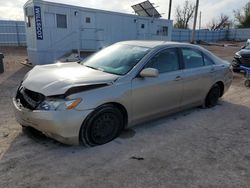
column 237, row 55
column 54, row 104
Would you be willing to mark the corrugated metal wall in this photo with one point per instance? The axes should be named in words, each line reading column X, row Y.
column 239, row 34
column 12, row 33
column 184, row 35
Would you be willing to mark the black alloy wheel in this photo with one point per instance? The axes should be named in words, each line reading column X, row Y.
column 213, row 96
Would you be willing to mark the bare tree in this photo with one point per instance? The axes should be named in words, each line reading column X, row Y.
column 184, row 14
column 221, row 23
column 243, row 17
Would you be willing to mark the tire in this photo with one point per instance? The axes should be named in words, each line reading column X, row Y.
column 102, row 126
column 247, row 83
column 236, row 70
column 213, row 96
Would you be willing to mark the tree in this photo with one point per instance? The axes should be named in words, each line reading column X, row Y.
column 243, row 17
column 221, row 23
column 184, row 14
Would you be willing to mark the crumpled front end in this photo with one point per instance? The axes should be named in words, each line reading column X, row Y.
column 61, row 125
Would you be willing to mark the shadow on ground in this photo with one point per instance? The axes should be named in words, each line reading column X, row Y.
column 9, row 82
column 194, row 148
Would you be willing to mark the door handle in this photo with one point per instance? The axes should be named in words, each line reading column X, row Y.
column 212, row 70
column 178, row 78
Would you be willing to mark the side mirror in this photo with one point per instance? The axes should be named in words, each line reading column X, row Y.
column 149, row 72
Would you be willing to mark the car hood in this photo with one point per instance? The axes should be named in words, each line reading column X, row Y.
column 244, row 53
column 57, row 78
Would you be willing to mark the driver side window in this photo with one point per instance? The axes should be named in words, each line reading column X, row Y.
column 165, row 61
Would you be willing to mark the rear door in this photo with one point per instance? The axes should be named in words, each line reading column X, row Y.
column 151, row 96
column 198, row 76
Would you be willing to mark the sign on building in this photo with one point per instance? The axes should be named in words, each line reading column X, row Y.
column 38, row 22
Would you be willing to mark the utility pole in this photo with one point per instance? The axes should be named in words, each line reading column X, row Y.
column 169, row 9
column 195, row 19
column 200, row 21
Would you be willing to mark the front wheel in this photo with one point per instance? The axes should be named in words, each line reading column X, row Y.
column 103, row 125
column 213, row 96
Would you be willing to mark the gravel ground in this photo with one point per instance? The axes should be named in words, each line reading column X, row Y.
column 193, row 148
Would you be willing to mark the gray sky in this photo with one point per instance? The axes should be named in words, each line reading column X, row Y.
column 12, row 9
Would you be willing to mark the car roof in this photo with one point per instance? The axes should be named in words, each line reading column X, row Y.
column 155, row 43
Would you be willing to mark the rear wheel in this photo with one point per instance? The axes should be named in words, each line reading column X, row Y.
column 247, row 83
column 102, row 126
column 213, row 96
column 236, row 70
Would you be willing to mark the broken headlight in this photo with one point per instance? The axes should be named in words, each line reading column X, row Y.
column 53, row 104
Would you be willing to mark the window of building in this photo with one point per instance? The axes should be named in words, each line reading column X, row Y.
column 29, row 13
column 28, row 22
column 61, row 21
column 165, row 61
column 87, row 20
column 142, row 26
column 165, row 31
column 192, row 58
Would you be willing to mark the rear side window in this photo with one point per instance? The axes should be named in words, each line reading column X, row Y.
column 192, row 58
column 165, row 61
column 207, row 60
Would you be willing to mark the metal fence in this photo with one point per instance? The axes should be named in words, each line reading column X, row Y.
column 239, row 34
column 184, row 35
column 12, row 33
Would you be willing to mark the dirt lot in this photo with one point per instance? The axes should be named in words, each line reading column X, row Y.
column 194, row 148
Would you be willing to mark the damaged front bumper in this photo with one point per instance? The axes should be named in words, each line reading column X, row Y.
column 63, row 126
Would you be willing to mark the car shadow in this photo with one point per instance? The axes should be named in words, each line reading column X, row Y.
column 206, row 135
column 180, row 121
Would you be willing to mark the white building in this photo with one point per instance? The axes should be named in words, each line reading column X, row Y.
column 54, row 29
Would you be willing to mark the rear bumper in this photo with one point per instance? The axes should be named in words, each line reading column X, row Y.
column 63, row 126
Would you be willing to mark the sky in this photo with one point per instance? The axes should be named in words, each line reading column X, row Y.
column 211, row 9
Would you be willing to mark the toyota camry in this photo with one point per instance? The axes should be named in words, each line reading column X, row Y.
column 92, row 101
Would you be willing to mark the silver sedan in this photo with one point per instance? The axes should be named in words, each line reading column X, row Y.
column 92, row 101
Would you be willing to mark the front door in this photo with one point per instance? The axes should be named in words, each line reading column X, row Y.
column 153, row 96
column 88, row 31
column 142, row 29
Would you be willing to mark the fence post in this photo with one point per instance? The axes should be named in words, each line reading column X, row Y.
column 179, row 35
column 1, row 63
column 17, row 35
column 235, row 31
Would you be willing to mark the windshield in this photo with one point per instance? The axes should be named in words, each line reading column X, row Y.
column 116, row 59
